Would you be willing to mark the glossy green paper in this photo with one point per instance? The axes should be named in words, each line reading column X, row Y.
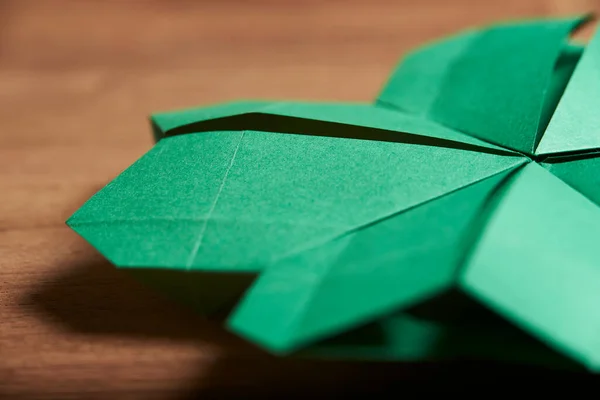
column 455, row 216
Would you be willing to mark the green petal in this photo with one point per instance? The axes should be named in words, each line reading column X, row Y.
column 537, row 263
column 363, row 275
column 236, row 201
column 490, row 83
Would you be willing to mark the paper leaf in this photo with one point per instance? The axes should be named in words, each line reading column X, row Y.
column 365, row 274
column 575, row 125
column 237, row 200
column 490, row 83
column 537, row 263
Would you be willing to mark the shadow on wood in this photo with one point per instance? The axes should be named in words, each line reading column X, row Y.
column 97, row 299
column 279, row 378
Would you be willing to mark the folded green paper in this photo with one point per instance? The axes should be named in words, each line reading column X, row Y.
column 456, row 216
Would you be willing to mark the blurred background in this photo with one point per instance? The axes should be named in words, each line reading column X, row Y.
column 78, row 79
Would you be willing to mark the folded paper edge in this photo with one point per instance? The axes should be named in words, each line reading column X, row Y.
column 271, row 118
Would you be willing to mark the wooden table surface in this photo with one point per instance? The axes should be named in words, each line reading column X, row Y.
column 77, row 81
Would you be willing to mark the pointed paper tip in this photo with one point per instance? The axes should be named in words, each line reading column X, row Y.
column 274, row 341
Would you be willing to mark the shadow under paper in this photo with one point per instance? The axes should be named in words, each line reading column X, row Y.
column 96, row 299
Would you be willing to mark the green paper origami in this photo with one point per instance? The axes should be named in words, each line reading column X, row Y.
column 458, row 215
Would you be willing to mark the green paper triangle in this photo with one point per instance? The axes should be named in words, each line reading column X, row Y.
column 581, row 174
column 563, row 70
column 365, row 274
column 575, row 125
column 537, row 263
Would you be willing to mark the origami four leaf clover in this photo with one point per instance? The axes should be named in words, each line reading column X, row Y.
column 457, row 215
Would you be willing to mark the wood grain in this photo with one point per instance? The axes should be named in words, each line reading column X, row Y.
column 77, row 81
